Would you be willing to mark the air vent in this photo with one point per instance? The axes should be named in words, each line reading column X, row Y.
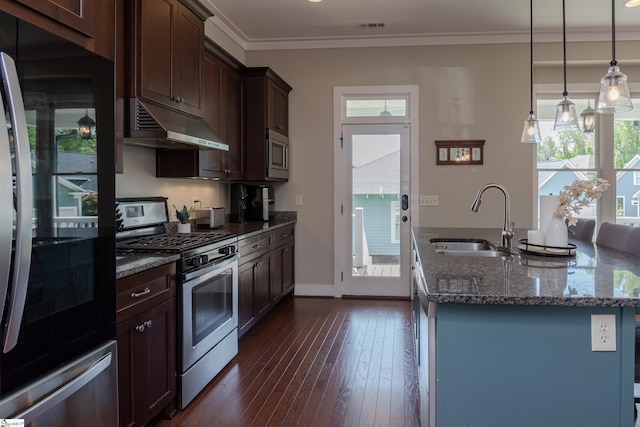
column 144, row 120
column 373, row 25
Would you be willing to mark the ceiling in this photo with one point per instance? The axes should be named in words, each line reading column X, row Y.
column 277, row 24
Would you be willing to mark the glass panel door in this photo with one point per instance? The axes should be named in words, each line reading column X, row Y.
column 376, row 209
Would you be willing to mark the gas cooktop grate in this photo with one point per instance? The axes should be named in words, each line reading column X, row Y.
column 171, row 242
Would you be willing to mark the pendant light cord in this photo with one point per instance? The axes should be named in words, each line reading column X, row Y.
column 564, row 52
column 613, row 34
column 531, row 56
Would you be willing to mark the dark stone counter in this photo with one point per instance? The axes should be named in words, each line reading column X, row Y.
column 595, row 276
column 131, row 263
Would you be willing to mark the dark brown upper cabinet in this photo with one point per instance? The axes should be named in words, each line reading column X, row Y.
column 167, row 56
column 223, row 105
column 88, row 23
column 267, row 100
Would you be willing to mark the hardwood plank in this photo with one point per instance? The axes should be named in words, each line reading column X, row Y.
column 317, row 362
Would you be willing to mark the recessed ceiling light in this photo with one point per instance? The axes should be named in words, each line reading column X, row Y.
column 632, row 3
column 315, row 1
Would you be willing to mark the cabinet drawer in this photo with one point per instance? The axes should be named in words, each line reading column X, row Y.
column 283, row 235
column 252, row 247
column 141, row 291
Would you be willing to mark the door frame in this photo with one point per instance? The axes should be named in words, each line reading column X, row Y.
column 340, row 95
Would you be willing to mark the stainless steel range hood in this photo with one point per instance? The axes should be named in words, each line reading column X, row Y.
column 161, row 127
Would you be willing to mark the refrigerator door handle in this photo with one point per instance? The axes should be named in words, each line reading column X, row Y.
column 6, row 213
column 62, row 393
column 22, row 257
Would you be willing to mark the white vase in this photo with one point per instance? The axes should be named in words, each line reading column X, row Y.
column 557, row 234
column 184, row 228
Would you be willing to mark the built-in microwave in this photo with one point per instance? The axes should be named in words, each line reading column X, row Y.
column 277, row 155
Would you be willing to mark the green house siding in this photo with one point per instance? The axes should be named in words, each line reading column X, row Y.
column 377, row 223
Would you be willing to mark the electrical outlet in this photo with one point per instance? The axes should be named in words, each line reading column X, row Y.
column 298, row 199
column 603, row 332
column 428, row 200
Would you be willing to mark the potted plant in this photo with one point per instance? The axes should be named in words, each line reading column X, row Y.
column 183, row 216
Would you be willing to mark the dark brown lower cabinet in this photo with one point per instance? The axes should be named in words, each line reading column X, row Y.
column 265, row 274
column 146, row 346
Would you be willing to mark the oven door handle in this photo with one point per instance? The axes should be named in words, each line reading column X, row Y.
column 220, row 263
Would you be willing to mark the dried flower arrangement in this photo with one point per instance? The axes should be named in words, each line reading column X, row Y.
column 576, row 196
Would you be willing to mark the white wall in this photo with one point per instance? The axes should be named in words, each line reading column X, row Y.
column 466, row 92
column 139, row 180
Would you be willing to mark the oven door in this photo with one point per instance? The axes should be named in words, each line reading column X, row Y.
column 209, row 309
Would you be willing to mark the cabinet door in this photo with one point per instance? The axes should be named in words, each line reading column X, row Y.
column 146, row 363
column 188, row 47
column 212, row 73
column 262, row 284
column 288, row 278
column 73, row 13
column 277, row 108
column 245, row 297
column 154, row 47
column 234, row 93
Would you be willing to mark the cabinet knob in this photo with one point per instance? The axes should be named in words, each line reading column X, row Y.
column 147, row 323
column 140, row 328
column 256, row 246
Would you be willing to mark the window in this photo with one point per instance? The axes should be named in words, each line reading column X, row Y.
column 619, row 206
column 377, row 107
column 565, row 157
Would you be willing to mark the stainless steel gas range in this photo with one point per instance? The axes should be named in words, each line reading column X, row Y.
column 207, row 279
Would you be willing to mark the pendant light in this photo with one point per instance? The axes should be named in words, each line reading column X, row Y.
column 614, row 93
column 385, row 112
column 85, row 126
column 588, row 116
column 566, row 118
column 531, row 130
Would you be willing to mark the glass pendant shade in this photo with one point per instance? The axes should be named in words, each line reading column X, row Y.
column 566, row 117
column 531, row 131
column 614, row 93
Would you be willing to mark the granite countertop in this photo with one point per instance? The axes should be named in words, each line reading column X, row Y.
column 132, row 263
column 594, row 276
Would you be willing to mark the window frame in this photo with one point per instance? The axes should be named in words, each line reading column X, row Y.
column 603, row 139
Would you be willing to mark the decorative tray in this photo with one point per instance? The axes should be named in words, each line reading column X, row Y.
column 525, row 246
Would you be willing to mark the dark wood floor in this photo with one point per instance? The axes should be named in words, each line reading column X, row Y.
column 317, row 362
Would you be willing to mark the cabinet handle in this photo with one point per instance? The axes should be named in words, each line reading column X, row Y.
column 284, row 235
column 256, row 246
column 141, row 294
column 286, row 250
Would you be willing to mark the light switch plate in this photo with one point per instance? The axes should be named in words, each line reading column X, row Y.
column 298, row 199
column 603, row 332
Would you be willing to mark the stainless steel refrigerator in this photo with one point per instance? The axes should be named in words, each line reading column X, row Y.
column 57, row 231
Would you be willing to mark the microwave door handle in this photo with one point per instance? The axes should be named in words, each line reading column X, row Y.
column 6, row 212
column 22, row 257
column 286, row 157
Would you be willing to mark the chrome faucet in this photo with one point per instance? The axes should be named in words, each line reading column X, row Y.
column 507, row 226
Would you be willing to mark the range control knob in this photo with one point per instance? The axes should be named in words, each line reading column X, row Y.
column 227, row 250
column 204, row 259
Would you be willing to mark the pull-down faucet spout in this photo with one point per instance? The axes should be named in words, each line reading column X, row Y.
column 507, row 226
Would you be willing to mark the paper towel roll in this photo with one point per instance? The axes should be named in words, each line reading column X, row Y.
column 546, row 207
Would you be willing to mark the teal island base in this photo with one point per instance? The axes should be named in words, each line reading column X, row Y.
column 530, row 366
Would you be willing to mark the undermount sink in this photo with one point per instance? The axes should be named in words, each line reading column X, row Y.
column 465, row 247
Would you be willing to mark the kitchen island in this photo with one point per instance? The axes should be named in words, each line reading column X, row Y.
column 507, row 340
